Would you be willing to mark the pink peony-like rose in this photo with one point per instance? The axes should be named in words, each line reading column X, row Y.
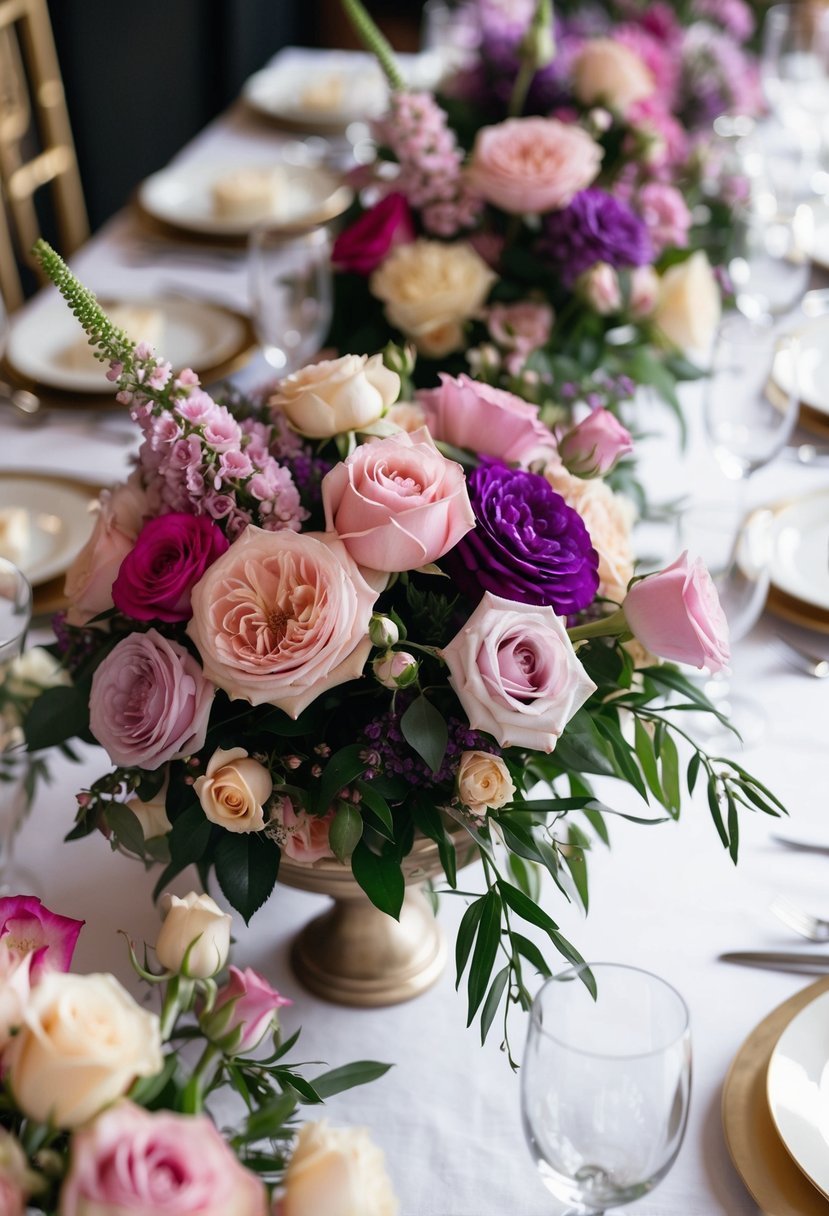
column 606, row 72
column 28, row 927
column 397, row 504
column 362, row 247
column 593, row 448
column 282, row 617
column 677, row 615
column 303, row 838
column 149, row 702
column 516, row 673
column 487, row 420
column 170, row 555
column 120, row 514
column 531, row 165
column 131, row 1162
column 245, row 1009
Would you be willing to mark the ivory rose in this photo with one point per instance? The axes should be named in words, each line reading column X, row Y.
column 606, row 72
column 486, row 420
column 302, row 837
column 337, row 1171
column 397, row 504
column 609, row 519
column 406, row 415
column 516, row 674
column 532, row 165
column 149, row 701
column 82, row 1043
column 196, row 929
column 484, row 783
column 233, row 790
column 677, row 615
column 336, row 395
column 133, row 1162
column 152, row 815
column 689, row 306
column 430, row 289
column 281, row 617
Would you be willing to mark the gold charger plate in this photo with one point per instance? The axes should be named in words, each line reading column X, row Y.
column 759, row 1155
column 796, row 611
column 809, row 419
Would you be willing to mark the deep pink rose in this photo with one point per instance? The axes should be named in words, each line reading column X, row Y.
column 677, row 615
column 244, row 1011
column 303, row 838
column 281, row 617
column 28, row 927
column 131, row 1162
column 592, row 448
column 527, row 166
column 362, row 247
column 397, row 504
column 485, row 420
column 170, row 555
column 149, row 702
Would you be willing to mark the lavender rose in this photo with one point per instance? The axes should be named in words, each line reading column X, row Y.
column 528, row 544
column 596, row 227
column 170, row 556
column 149, row 702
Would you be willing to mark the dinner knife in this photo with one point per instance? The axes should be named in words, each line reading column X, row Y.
column 801, row 846
column 799, row 964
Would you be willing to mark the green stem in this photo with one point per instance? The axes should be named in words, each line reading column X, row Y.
column 520, row 89
column 607, row 627
column 376, row 42
column 194, row 1090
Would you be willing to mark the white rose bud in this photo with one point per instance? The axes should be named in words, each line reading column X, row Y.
column 195, row 929
column 234, row 789
column 396, row 669
column 383, row 631
column 484, row 783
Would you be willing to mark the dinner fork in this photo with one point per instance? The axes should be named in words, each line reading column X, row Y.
column 812, row 927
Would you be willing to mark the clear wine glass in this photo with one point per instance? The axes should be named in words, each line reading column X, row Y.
column 291, row 293
column 795, row 73
column 605, row 1085
column 15, row 617
column 769, row 257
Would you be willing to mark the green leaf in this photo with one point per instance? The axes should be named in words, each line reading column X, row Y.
column 346, row 829
column 424, row 729
column 306, row 1091
column 669, row 764
column 526, row 908
column 531, row 953
column 427, row 819
column 58, row 714
column 714, row 807
column 485, row 952
column 576, row 862
column 466, row 936
column 190, row 836
column 693, row 771
column 375, row 802
column 268, row 1121
column 597, row 823
column 380, row 877
column 344, row 766
column 493, row 1000
column 247, row 864
column 624, row 759
column 647, row 759
column 526, row 876
column 126, row 827
column 361, row 1072
column 733, row 827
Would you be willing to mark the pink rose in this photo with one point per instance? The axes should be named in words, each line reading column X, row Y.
column 644, row 291
column 530, row 165
column 362, row 247
column 599, row 288
column 90, row 577
column 244, row 1011
column 149, row 702
column 131, row 1161
column 27, row 926
column 666, row 215
column 303, row 838
column 593, row 448
column 397, row 504
column 677, row 615
column 281, row 617
column 15, row 988
column 523, row 326
column 485, row 420
column 170, row 555
column 516, row 673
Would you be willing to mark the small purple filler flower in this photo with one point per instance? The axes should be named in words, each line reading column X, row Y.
column 528, row 544
column 596, row 227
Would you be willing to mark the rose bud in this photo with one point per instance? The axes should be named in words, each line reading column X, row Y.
column 244, row 1011
column 677, row 615
column 593, row 448
column 195, row 936
column 396, row 669
column 383, row 631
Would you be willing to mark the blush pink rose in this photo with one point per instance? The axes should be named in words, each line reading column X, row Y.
column 523, row 326
column 303, row 838
column 245, row 1009
column 397, row 504
column 516, row 674
column 677, row 615
column 89, row 580
column 599, row 288
column 593, row 448
column 282, row 617
column 531, row 165
column 132, row 1161
column 28, row 927
column 149, row 702
column 362, row 247
column 486, row 420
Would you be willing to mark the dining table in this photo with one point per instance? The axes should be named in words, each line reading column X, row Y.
column 666, row 897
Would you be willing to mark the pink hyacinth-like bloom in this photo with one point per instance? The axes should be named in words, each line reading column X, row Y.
column 676, row 614
column 245, row 1009
column 28, row 927
column 666, row 215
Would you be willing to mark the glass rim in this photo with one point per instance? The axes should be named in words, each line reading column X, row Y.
column 575, row 973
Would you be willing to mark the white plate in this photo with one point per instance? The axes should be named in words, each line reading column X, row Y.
column 327, row 95
column 812, row 366
column 57, row 523
column 194, row 333
column 181, row 195
column 797, row 1085
column 799, row 565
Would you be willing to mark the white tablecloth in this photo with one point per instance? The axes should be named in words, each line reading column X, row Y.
column 666, row 898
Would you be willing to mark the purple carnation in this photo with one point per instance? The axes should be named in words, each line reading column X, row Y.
column 528, row 545
column 596, row 227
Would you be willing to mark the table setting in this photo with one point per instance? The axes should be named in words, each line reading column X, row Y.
column 454, row 773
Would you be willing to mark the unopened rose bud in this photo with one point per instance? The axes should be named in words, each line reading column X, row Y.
column 195, row 936
column 383, row 631
column 396, row 669
column 593, row 448
column 599, row 287
column 244, row 1011
column 400, row 359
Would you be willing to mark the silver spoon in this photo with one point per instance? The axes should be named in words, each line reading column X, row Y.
column 812, row 664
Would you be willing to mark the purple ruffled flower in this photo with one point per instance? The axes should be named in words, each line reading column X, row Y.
column 528, row 545
column 596, row 227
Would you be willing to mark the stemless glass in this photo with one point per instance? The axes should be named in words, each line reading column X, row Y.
column 290, row 293
column 15, row 617
column 795, row 72
column 605, row 1085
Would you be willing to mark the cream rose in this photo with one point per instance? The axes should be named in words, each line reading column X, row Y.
column 337, row 395
column 195, row 924
column 609, row 520
column 606, row 72
column 689, row 306
column 233, row 790
column 430, row 290
column 337, row 1171
column 484, row 783
column 82, row 1043
column 152, row 815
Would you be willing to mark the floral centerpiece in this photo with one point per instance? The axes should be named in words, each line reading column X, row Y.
column 103, row 1111
column 302, row 630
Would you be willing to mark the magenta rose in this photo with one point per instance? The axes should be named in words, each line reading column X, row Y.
column 28, row 927
column 149, row 702
column 485, row 420
column 677, row 615
column 170, row 555
column 593, row 448
column 532, row 165
column 245, row 1009
column 397, row 504
column 362, row 246
column 132, row 1161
